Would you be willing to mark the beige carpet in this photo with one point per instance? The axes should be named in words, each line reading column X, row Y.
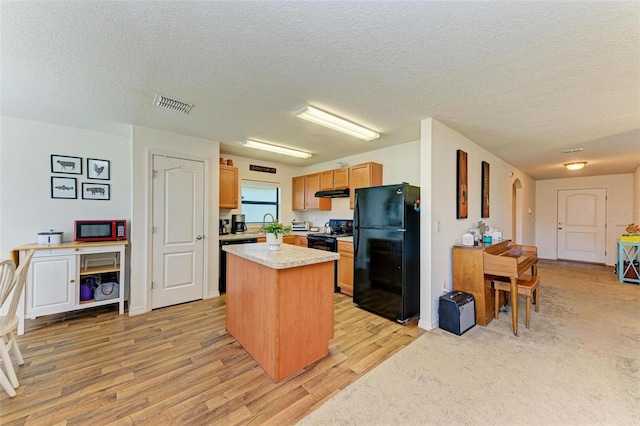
column 579, row 364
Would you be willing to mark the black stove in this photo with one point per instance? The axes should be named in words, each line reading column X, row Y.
column 329, row 242
column 340, row 228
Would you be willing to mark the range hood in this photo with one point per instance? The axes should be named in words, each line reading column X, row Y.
column 333, row 193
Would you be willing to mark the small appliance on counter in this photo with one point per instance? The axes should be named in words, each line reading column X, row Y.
column 224, row 227
column 300, row 226
column 50, row 237
column 238, row 225
column 100, row 230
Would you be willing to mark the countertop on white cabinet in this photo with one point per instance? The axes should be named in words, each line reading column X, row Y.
column 289, row 255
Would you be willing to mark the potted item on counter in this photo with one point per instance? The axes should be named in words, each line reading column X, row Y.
column 274, row 232
column 50, row 237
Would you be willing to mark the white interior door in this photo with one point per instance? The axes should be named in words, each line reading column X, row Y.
column 581, row 224
column 178, row 231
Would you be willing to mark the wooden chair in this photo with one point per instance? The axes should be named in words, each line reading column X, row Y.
column 528, row 286
column 7, row 273
column 9, row 322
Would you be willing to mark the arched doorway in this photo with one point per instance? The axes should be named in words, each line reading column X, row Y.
column 516, row 211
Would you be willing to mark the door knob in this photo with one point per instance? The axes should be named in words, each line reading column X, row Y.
column 199, row 237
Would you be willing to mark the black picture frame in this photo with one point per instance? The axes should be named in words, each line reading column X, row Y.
column 96, row 191
column 485, row 190
column 64, row 187
column 462, row 195
column 98, row 169
column 66, row 164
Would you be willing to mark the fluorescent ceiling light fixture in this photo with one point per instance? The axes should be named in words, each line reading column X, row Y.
column 275, row 148
column 334, row 122
column 576, row 165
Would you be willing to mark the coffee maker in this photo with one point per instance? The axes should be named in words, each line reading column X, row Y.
column 238, row 226
column 224, row 226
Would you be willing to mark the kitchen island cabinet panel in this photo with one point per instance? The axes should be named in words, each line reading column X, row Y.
column 283, row 317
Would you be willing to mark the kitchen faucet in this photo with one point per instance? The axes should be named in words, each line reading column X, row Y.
column 264, row 220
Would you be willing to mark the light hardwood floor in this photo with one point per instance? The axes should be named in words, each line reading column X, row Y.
column 178, row 365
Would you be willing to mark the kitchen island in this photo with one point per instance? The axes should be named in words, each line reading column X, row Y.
column 280, row 304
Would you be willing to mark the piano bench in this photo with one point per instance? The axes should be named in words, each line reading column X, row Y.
column 527, row 286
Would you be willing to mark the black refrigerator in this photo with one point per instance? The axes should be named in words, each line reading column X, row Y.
column 386, row 237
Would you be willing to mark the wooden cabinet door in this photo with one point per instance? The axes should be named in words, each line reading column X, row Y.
column 288, row 239
column 228, row 187
column 334, row 179
column 363, row 176
column 312, row 185
column 298, row 193
column 301, row 241
column 303, row 195
column 341, row 178
column 326, row 180
column 345, row 267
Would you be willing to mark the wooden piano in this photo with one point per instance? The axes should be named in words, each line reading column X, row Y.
column 475, row 266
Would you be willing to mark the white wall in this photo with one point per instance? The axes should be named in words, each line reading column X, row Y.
column 144, row 142
column 620, row 210
column 439, row 146
column 25, row 179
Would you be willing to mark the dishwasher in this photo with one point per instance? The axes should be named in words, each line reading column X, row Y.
column 222, row 280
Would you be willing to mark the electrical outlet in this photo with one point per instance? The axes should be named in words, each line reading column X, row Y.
column 445, row 290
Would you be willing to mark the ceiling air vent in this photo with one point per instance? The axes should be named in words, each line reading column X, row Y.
column 172, row 104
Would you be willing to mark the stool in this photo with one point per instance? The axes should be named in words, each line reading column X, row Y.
column 527, row 286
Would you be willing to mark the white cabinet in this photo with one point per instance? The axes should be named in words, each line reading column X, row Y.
column 57, row 273
column 50, row 284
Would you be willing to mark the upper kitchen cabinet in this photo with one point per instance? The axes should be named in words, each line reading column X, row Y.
column 304, row 190
column 363, row 176
column 228, row 187
column 334, row 179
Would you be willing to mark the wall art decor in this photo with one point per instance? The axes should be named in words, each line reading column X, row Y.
column 485, row 189
column 96, row 191
column 98, row 169
column 64, row 187
column 462, row 195
column 66, row 164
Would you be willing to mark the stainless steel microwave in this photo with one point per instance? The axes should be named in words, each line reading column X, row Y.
column 100, row 230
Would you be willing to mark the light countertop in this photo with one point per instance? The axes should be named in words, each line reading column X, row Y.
column 289, row 256
column 257, row 235
column 260, row 235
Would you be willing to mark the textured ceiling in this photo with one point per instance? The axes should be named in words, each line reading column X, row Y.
column 524, row 80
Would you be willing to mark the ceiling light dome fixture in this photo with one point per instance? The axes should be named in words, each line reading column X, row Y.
column 275, row 148
column 575, row 165
column 318, row 116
